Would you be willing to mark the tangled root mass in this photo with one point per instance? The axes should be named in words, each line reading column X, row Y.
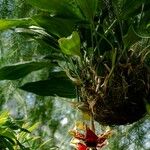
column 123, row 99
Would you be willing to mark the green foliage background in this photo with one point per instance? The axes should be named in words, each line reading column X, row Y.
column 49, row 112
column 55, row 115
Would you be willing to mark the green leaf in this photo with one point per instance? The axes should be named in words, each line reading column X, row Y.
column 62, row 8
column 22, row 147
column 88, row 8
column 59, row 86
column 46, row 41
column 14, row 126
column 33, row 127
column 54, row 57
column 7, row 133
column 9, row 23
column 16, row 71
column 57, row 74
column 55, row 25
column 71, row 44
column 24, row 130
column 132, row 7
column 143, row 29
column 130, row 38
column 148, row 108
column 6, row 143
column 4, row 117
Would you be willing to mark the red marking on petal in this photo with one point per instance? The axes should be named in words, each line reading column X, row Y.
column 90, row 134
column 81, row 146
column 90, row 138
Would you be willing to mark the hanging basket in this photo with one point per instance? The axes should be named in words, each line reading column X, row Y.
column 122, row 101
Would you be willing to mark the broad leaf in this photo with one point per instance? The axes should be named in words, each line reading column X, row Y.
column 46, row 41
column 16, row 71
column 62, row 8
column 130, row 38
column 9, row 23
column 57, row 74
column 7, row 133
column 71, row 44
column 55, row 25
column 143, row 29
column 133, row 7
column 88, row 8
column 59, row 86
column 55, row 57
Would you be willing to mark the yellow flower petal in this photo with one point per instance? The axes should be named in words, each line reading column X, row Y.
column 80, row 125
